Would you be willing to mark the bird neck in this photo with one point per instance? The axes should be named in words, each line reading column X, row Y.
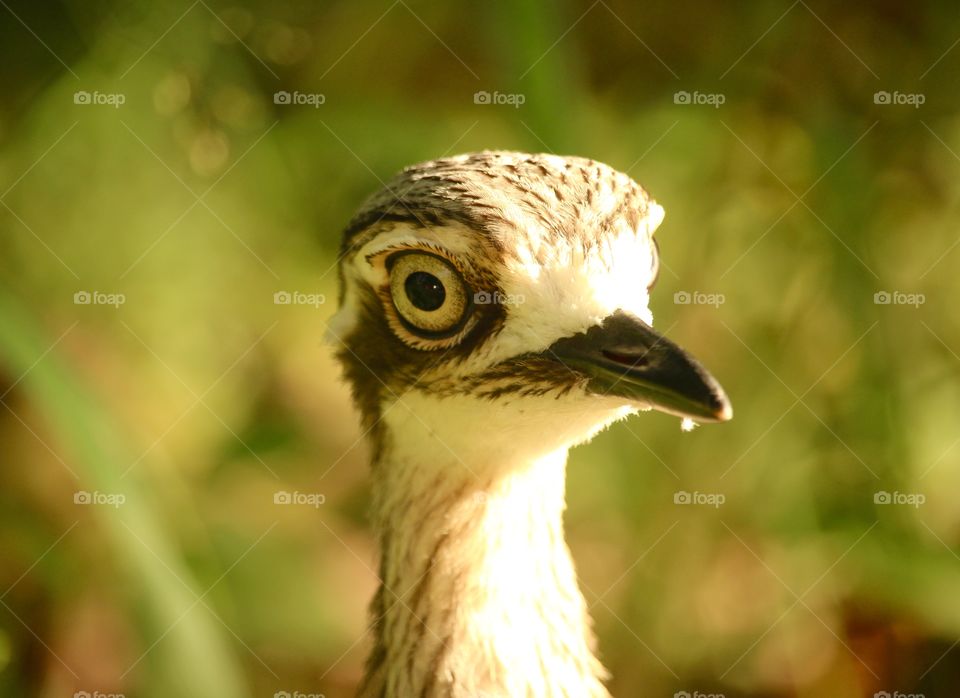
column 479, row 595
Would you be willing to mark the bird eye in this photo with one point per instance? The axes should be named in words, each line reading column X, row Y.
column 428, row 293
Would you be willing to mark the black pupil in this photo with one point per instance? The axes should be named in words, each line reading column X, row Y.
column 424, row 290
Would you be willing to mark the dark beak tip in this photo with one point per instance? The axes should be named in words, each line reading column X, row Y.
column 724, row 411
column 719, row 404
column 715, row 409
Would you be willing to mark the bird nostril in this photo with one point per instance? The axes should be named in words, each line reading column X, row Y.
column 631, row 360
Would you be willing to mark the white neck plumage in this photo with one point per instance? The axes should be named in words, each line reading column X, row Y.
column 479, row 594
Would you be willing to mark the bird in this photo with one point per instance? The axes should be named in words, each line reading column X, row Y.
column 493, row 313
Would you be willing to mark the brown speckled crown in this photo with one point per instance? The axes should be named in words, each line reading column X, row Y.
column 505, row 189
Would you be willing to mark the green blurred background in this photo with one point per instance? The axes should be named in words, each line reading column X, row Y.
column 789, row 206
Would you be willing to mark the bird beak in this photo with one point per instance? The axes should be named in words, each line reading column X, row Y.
column 624, row 357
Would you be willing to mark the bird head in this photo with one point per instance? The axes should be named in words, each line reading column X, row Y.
column 511, row 291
